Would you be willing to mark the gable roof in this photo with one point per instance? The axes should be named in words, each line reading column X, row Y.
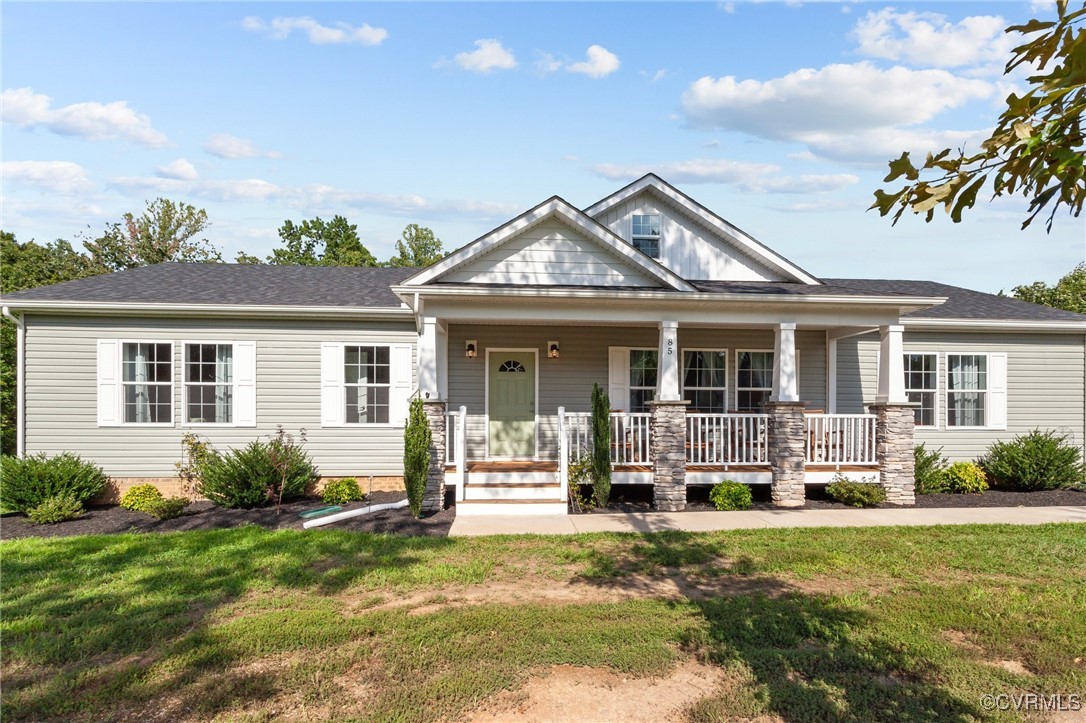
column 743, row 241
column 553, row 207
column 231, row 284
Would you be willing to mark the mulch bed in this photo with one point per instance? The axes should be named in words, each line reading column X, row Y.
column 112, row 519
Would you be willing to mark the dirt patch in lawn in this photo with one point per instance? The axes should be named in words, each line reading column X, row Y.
column 567, row 692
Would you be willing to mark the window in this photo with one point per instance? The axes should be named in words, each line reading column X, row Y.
column 704, row 375
column 966, row 390
column 645, row 234
column 921, row 383
column 366, row 382
column 642, row 379
column 147, row 381
column 209, row 383
column 754, row 379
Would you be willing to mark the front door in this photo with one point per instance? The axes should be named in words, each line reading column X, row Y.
column 511, row 403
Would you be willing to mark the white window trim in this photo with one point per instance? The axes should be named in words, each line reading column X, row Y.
column 987, row 391
column 121, row 383
column 938, row 380
column 343, row 385
column 682, row 371
column 486, row 399
column 641, row 237
column 756, row 389
column 185, row 386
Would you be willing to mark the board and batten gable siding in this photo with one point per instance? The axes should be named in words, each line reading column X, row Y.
column 1045, row 378
column 550, row 253
column 686, row 246
column 567, row 381
column 61, row 392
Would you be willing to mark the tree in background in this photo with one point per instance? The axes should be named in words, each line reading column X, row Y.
column 418, row 246
column 1068, row 293
column 1036, row 149
column 320, row 243
column 166, row 231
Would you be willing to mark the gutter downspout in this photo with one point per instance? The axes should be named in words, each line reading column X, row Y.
column 20, row 382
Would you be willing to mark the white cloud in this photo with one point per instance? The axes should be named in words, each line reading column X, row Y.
column 653, row 77
column 547, row 63
column 843, row 111
column 60, row 177
column 728, row 7
column 24, row 108
column 930, row 40
column 180, row 169
column 1040, row 7
column 224, row 145
column 754, row 177
column 599, row 63
column 489, row 54
column 280, row 28
column 247, row 189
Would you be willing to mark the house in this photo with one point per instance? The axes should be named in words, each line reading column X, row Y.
column 721, row 358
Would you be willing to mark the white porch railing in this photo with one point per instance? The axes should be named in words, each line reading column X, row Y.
column 456, row 447
column 723, row 439
column 631, row 438
column 840, row 438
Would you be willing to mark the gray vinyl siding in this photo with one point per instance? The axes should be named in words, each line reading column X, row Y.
column 567, row 381
column 61, row 392
column 1045, row 384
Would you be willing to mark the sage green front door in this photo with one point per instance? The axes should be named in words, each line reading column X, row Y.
column 511, row 402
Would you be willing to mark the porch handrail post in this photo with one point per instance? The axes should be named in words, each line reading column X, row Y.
column 563, row 456
column 460, row 445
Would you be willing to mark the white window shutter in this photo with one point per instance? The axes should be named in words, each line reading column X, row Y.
column 997, row 391
column 618, row 373
column 109, row 383
column 333, row 404
column 402, row 379
column 244, row 384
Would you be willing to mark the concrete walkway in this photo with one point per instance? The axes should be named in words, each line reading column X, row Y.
column 751, row 519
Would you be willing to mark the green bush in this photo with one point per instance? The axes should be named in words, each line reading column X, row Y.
column 30, row 481
column 928, row 470
column 167, row 508
column 964, row 478
column 417, row 439
column 248, row 477
column 139, row 497
column 729, row 495
column 601, row 446
column 342, row 491
column 58, row 508
column 855, row 494
column 1035, row 461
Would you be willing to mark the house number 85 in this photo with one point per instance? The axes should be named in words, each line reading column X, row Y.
column 670, row 344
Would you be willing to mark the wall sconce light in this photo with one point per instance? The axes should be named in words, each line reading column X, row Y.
column 469, row 348
column 552, row 349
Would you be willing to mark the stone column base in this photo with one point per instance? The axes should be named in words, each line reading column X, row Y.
column 787, row 453
column 434, row 499
column 894, row 450
column 668, row 440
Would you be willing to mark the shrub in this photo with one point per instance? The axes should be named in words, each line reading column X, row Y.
column 138, row 498
column 417, row 439
column 248, row 477
column 58, row 508
column 1035, row 461
column 729, row 495
column 928, row 470
column 167, row 508
column 30, row 481
column 856, row 494
column 964, row 478
column 342, row 491
column 601, row 446
column 580, row 474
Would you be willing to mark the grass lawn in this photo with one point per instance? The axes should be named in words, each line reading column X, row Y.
column 906, row 624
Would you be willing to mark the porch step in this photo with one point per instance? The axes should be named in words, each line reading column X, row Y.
column 478, row 508
column 511, row 478
column 511, row 491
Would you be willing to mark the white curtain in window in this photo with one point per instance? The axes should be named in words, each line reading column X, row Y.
column 141, row 373
column 224, row 377
column 967, row 384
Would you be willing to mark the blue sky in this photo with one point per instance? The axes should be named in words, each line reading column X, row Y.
column 780, row 117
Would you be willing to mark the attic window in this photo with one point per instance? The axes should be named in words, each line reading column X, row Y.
column 645, row 234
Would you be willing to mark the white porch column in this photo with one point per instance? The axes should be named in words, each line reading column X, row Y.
column 442, row 361
column 785, row 371
column 428, row 359
column 668, row 371
column 891, row 366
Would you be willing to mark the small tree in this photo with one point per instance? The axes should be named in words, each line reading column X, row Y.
column 601, row 446
column 417, row 439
